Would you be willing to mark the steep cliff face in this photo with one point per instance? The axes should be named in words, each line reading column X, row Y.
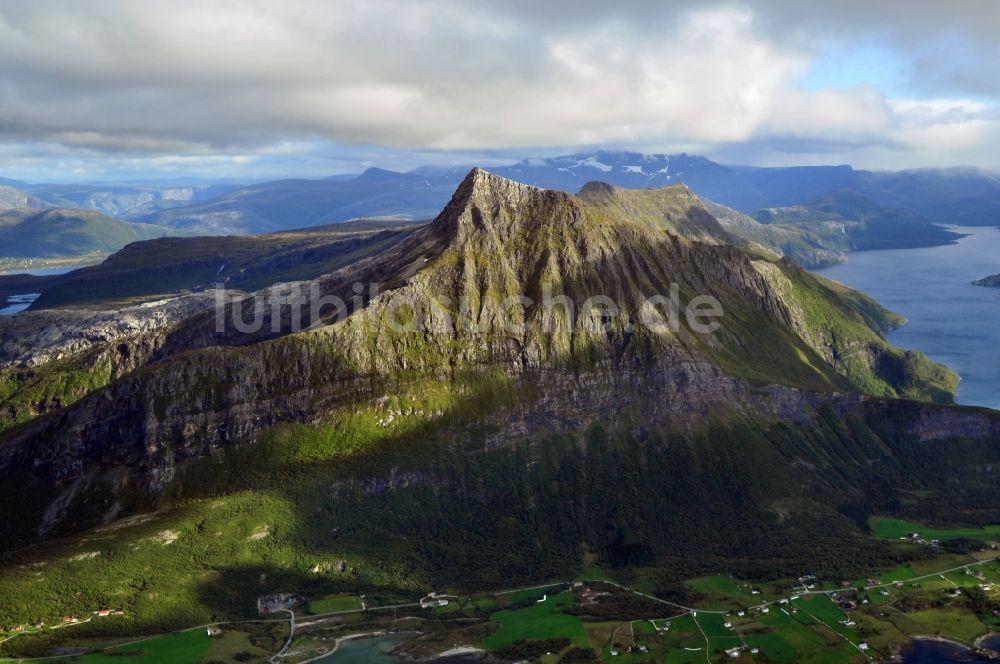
column 554, row 292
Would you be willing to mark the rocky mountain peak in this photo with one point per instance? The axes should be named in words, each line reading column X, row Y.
column 488, row 204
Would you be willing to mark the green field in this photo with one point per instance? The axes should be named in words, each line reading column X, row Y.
column 190, row 647
column 726, row 592
column 887, row 528
column 543, row 620
column 334, row 603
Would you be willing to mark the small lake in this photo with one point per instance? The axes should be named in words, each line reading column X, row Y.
column 952, row 321
column 375, row 650
column 929, row 651
column 16, row 303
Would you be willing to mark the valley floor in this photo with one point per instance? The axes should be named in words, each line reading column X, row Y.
column 952, row 596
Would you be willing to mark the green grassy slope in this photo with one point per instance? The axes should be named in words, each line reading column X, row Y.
column 848, row 221
column 65, row 232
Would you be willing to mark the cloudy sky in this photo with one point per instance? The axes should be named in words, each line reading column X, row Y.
column 119, row 89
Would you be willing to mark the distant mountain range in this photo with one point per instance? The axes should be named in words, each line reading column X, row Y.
column 119, row 200
column 956, row 196
column 287, row 204
column 869, row 209
column 30, row 233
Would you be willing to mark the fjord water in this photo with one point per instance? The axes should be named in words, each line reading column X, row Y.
column 950, row 320
column 931, row 651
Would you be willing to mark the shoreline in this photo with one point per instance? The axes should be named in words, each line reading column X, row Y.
column 353, row 637
column 991, row 635
column 977, row 645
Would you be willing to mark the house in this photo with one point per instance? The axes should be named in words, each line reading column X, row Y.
column 214, row 630
column 765, row 610
column 727, row 625
column 754, row 651
column 741, row 613
column 614, row 653
column 862, row 646
column 104, row 612
column 733, row 652
column 643, row 648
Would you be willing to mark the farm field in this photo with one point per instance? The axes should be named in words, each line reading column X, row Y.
column 887, row 528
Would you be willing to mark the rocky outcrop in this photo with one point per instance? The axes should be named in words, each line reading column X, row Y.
column 34, row 338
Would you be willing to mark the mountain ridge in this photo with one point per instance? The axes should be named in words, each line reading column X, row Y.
column 415, row 433
column 495, row 243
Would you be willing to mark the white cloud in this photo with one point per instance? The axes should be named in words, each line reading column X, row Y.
column 392, row 73
column 157, row 78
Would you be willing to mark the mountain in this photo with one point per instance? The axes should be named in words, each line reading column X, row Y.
column 953, row 196
column 782, row 187
column 535, row 386
column 27, row 233
column 11, row 198
column 461, row 331
column 849, row 221
column 963, row 196
column 809, row 249
column 287, row 204
column 992, row 281
column 638, row 171
column 126, row 200
column 154, row 269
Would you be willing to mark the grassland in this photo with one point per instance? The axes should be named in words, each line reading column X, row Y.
column 190, row 647
column 542, row 620
column 888, row 528
column 335, row 603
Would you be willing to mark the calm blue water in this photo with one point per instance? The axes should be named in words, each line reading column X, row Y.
column 374, row 650
column 924, row 651
column 951, row 320
column 16, row 303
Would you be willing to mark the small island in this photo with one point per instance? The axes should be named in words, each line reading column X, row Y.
column 990, row 282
